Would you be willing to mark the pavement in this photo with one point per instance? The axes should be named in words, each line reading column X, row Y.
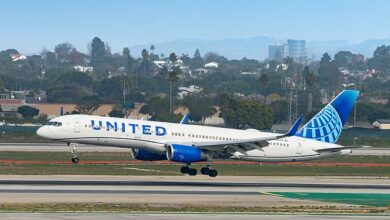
column 243, row 191
column 61, row 147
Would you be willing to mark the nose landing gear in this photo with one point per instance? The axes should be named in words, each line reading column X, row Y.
column 73, row 151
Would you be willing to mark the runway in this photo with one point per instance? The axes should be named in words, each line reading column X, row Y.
column 61, row 147
column 179, row 190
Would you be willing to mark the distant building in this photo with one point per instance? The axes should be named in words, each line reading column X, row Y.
column 83, row 69
column 18, row 56
column 382, row 124
column 197, row 72
column 248, row 73
column 159, row 63
column 192, row 89
column 297, row 50
column 278, row 52
column 211, row 65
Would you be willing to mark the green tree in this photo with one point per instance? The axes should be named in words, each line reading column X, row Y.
column 242, row 113
column 63, row 51
column 110, row 90
column 128, row 60
column 329, row 73
column 200, row 108
column 145, row 58
column 155, row 106
column 381, row 59
column 88, row 104
column 310, row 79
column 166, row 117
column 186, row 59
column 173, row 58
column 343, row 58
column 66, row 93
column 197, row 60
column 172, row 78
column 28, row 111
column 153, row 56
column 279, row 110
column 264, row 82
column 98, row 52
column 116, row 113
column 75, row 78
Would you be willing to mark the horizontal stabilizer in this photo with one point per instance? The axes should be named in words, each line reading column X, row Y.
column 339, row 148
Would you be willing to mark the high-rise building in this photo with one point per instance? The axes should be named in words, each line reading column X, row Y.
column 297, row 50
column 277, row 52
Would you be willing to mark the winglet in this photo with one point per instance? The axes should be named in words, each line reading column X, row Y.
column 184, row 120
column 295, row 127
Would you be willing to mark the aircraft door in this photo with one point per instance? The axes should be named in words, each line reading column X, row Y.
column 299, row 148
column 77, row 126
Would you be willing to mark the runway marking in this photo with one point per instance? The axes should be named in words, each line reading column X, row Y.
column 193, row 184
column 149, row 192
column 134, row 162
column 139, row 169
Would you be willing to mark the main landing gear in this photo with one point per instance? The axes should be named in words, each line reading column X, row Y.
column 204, row 171
column 73, row 151
column 190, row 171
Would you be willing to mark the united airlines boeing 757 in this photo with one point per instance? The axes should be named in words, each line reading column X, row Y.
column 187, row 144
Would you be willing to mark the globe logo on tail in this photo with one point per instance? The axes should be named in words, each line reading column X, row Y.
column 326, row 126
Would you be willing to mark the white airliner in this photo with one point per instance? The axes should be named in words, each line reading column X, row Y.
column 187, row 144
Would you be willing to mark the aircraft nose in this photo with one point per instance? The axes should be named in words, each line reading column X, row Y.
column 43, row 132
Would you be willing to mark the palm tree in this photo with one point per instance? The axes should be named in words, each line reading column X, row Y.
column 172, row 78
column 173, row 58
column 264, row 82
column 310, row 79
column 145, row 56
column 126, row 56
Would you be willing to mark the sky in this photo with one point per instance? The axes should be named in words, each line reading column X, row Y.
column 29, row 26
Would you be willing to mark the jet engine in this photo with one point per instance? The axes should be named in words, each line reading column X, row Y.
column 186, row 154
column 140, row 154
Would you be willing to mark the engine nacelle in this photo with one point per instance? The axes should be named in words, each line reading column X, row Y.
column 140, row 154
column 186, row 154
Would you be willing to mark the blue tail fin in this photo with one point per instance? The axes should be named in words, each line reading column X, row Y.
column 327, row 124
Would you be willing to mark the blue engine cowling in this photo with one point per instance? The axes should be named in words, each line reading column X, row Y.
column 140, row 154
column 186, row 154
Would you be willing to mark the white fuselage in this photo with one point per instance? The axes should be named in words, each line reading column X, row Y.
column 154, row 136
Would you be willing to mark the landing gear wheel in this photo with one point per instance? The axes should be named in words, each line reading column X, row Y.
column 75, row 160
column 192, row 172
column 73, row 151
column 184, row 169
column 205, row 171
column 213, row 173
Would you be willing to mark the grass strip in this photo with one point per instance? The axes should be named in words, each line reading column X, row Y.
column 129, row 207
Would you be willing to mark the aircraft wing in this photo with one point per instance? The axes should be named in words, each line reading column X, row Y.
column 211, row 144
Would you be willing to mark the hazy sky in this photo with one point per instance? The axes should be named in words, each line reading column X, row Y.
column 29, row 25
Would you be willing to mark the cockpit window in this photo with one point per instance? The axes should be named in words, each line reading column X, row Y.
column 54, row 123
